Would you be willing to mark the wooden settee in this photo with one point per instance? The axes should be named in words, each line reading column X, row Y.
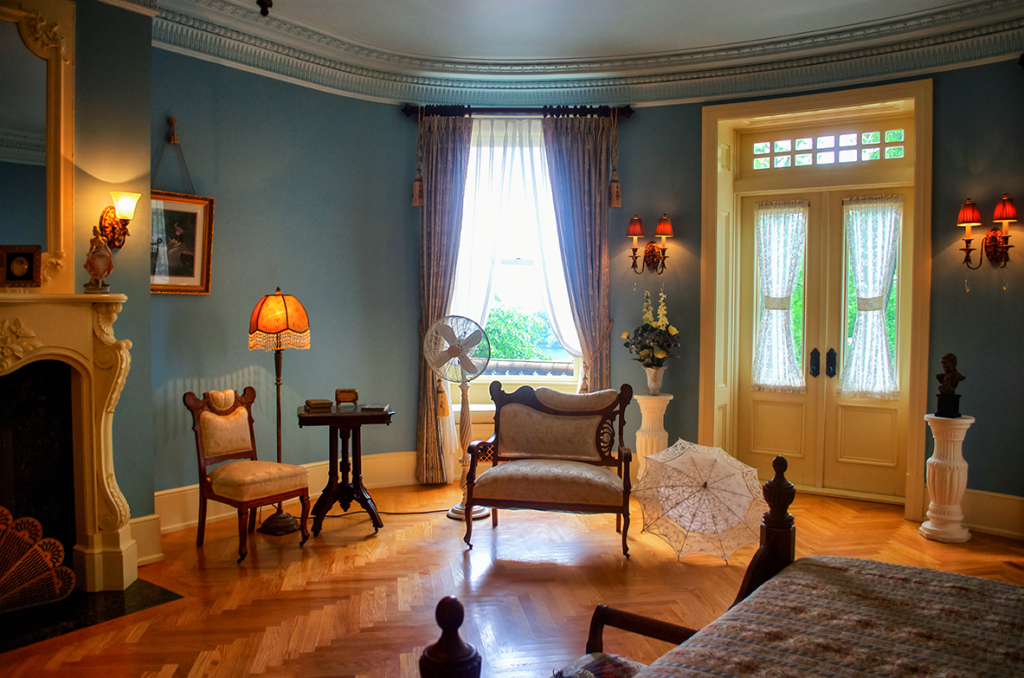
column 821, row 616
column 553, row 451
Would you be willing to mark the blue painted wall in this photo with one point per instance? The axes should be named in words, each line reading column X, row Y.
column 312, row 195
column 978, row 152
column 22, row 204
column 112, row 104
column 659, row 169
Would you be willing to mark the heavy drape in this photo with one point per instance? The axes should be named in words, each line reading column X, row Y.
column 445, row 143
column 577, row 153
column 872, row 240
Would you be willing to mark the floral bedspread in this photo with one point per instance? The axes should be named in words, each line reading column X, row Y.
column 827, row 616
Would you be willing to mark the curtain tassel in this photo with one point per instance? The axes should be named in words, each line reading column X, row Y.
column 442, row 401
column 417, row 190
column 614, row 191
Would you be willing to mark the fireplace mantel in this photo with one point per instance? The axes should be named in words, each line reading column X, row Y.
column 78, row 330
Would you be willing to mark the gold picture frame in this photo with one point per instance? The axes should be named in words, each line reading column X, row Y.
column 181, row 252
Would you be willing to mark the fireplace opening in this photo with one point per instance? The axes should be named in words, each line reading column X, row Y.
column 37, row 465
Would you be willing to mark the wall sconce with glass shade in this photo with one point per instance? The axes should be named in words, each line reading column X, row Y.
column 115, row 218
column 996, row 243
column 654, row 256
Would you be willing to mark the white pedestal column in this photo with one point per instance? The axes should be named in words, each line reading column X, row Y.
column 947, row 480
column 652, row 436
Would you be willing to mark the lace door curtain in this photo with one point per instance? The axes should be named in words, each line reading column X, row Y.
column 872, row 238
column 780, row 233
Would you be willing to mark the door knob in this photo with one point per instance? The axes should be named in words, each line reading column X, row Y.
column 815, row 366
column 830, row 363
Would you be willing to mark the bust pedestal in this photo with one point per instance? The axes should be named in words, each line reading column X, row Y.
column 947, row 480
column 652, row 436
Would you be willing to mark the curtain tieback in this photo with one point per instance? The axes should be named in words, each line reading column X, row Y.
column 776, row 303
column 870, row 303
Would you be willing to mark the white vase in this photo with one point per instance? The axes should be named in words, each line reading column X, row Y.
column 654, row 375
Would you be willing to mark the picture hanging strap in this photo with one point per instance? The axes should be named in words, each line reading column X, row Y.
column 172, row 140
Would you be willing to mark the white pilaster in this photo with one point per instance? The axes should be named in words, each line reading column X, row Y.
column 947, row 480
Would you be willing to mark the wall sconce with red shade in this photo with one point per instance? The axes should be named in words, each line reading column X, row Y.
column 115, row 218
column 996, row 243
column 654, row 255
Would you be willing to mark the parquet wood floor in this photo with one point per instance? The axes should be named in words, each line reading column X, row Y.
column 351, row 603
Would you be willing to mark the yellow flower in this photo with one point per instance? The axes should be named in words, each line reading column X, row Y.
column 672, row 330
column 625, row 335
column 645, row 352
column 661, row 353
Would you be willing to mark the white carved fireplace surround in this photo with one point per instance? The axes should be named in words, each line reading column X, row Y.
column 78, row 329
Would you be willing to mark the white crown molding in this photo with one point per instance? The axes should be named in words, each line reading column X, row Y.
column 24, row 148
column 226, row 33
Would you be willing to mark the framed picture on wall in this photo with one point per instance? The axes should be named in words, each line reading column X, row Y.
column 182, row 246
column 20, row 265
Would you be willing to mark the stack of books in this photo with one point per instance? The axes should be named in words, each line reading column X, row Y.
column 314, row 406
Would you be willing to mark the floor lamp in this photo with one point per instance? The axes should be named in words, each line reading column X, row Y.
column 278, row 322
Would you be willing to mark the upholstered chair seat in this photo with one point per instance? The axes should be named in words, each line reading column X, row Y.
column 229, row 471
column 248, row 480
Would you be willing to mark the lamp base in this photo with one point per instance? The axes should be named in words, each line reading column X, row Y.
column 458, row 512
column 280, row 523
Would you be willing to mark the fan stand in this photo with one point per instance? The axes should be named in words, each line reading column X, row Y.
column 458, row 512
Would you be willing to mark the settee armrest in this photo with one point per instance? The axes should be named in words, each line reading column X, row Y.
column 634, row 623
column 482, row 449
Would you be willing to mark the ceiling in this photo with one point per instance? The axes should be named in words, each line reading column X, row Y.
column 526, row 52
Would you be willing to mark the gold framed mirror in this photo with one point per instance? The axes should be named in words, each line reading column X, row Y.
column 47, row 31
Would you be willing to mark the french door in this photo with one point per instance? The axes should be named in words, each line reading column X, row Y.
column 808, row 388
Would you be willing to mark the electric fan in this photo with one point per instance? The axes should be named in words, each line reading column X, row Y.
column 458, row 351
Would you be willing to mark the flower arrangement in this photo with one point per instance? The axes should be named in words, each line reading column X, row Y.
column 652, row 341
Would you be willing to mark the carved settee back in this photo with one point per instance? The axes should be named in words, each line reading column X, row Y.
column 547, row 424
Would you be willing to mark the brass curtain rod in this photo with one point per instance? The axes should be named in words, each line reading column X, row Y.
column 552, row 111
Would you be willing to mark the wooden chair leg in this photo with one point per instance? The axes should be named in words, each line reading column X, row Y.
column 618, row 522
column 304, row 500
column 625, row 530
column 252, row 520
column 467, row 507
column 201, row 528
column 494, row 517
column 243, row 538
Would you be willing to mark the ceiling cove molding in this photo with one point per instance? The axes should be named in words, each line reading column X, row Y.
column 299, row 55
column 25, row 148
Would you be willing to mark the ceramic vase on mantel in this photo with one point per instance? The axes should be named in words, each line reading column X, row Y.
column 654, row 375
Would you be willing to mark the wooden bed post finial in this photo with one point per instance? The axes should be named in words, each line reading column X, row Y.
column 778, row 536
column 450, row 656
column 779, row 494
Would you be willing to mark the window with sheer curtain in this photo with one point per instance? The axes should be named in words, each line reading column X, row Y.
column 780, row 231
column 509, row 274
column 872, row 227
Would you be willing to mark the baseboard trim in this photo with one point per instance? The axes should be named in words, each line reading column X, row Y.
column 146, row 533
column 178, row 508
column 993, row 513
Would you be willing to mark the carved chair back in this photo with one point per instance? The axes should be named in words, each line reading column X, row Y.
column 222, row 421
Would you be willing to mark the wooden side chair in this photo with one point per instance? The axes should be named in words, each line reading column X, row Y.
column 222, row 421
column 553, row 451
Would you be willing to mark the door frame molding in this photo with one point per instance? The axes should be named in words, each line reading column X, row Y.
column 720, row 255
